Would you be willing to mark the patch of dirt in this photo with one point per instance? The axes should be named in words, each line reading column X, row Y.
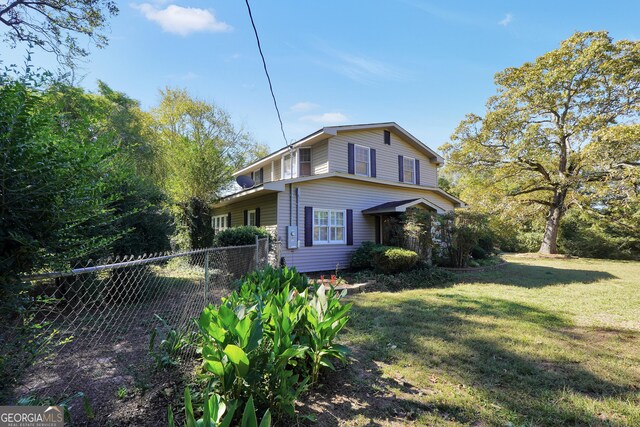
column 109, row 361
column 360, row 393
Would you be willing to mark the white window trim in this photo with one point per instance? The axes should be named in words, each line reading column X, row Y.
column 294, row 164
column 328, row 241
column 254, row 174
column 298, row 157
column 404, row 169
column 219, row 219
column 355, row 156
column 249, row 213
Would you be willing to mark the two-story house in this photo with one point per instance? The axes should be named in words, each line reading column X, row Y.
column 328, row 192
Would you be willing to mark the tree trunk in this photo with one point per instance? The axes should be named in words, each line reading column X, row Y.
column 556, row 211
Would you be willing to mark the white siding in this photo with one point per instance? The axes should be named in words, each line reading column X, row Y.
column 337, row 193
column 386, row 155
column 266, row 203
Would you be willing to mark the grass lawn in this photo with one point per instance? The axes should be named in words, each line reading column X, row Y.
column 538, row 342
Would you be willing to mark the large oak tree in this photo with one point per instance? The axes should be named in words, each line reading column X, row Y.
column 560, row 132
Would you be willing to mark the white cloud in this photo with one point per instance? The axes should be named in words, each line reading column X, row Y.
column 182, row 20
column 326, row 118
column 303, row 107
column 507, row 20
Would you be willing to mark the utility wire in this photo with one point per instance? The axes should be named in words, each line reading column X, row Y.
column 264, row 64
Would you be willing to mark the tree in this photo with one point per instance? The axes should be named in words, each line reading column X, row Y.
column 53, row 25
column 198, row 149
column 560, row 132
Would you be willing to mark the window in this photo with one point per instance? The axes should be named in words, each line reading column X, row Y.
column 328, row 226
column 251, row 217
column 219, row 223
column 387, row 137
column 362, row 160
column 409, row 168
column 257, row 177
column 305, row 161
column 289, row 166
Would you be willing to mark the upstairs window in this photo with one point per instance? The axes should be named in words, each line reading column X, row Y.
column 257, row 176
column 387, row 137
column 362, row 160
column 409, row 167
column 289, row 165
column 305, row 161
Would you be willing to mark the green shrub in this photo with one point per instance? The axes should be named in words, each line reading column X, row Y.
column 477, row 252
column 239, row 236
column 529, row 241
column 274, row 279
column 269, row 340
column 389, row 259
column 361, row 258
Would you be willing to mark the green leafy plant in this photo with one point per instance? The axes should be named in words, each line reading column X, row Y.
column 172, row 346
column 270, row 339
column 122, row 392
column 216, row 413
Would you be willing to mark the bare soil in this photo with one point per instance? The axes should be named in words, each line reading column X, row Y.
column 361, row 394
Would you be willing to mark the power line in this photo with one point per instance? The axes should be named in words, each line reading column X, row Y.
column 264, row 64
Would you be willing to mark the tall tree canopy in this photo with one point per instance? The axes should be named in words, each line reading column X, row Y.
column 562, row 131
column 198, row 149
column 53, row 25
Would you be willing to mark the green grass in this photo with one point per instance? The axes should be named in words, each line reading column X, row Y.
column 539, row 342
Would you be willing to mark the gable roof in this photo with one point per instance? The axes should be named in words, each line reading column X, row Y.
column 329, row 131
column 401, row 206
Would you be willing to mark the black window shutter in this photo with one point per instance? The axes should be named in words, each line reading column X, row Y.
column 245, row 214
column 400, row 168
column 378, row 227
column 417, row 172
column 229, row 219
column 372, row 152
column 308, row 226
column 351, row 158
column 387, row 137
column 257, row 217
column 261, row 175
column 349, row 227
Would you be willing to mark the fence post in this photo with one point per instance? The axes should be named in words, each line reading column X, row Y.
column 266, row 258
column 257, row 252
column 206, row 278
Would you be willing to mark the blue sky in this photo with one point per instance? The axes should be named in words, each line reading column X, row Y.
column 423, row 64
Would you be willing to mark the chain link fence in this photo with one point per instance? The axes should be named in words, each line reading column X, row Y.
column 107, row 329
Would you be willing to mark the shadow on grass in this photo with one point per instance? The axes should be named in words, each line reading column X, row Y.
column 491, row 378
column 534, row 276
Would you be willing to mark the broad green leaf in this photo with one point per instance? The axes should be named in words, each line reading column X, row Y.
column 249, row 416
column 214, row 367
column 239, row 358
column 266, row 419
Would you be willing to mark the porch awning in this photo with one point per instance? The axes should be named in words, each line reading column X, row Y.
column 399, row 206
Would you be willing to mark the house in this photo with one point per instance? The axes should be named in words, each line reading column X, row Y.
column 332, row 190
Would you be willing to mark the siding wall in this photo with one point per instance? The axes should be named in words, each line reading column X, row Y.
column 320, row 157
column 266, row 203
column 336, row 193
column 386, row 155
